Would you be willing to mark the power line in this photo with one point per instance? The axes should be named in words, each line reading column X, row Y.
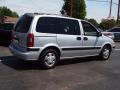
column 111, row 3
column 103, row 1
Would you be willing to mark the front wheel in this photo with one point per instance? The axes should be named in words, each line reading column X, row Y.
column 49, row 58
column 105, row 53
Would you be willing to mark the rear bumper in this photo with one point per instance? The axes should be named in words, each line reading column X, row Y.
column 24, row 55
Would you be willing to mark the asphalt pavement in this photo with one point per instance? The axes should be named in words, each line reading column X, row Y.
column 73, row 74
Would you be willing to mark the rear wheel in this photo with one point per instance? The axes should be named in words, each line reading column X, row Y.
column 105, row 53
column 49, row 58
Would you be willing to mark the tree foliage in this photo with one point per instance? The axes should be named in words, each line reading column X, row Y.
column 78, row 8
column 118, row 23
column 107, row 24
column 4, row 11
column 66, row 7
column 93, row 21
column 14, row 14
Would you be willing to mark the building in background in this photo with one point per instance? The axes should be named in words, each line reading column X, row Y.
column 8, row 19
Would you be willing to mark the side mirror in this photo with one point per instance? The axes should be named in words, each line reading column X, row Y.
column 99, row 34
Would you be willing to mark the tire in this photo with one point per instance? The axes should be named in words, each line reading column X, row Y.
column 105, row 53
column 49, row 58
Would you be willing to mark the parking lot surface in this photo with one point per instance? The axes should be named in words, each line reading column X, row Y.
column 74, row 74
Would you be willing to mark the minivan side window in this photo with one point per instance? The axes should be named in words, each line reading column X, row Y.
column 88, row 29
column 69, row 27
column 47, row 25
column 58, row 26
column 23, row 24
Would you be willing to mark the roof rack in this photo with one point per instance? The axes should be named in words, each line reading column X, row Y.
column 36, row 13
column 50, row 14
column 46, row 14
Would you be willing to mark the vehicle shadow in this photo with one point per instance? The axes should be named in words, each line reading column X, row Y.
column 77, row 60
column 18, row 64
column 4, row 44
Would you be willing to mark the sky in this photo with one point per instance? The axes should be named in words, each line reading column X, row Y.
column 96, row 10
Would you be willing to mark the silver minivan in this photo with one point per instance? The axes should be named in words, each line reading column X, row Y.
column 50, row 38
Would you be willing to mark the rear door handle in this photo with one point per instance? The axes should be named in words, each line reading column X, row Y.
column 78, row 38
column 85, row 38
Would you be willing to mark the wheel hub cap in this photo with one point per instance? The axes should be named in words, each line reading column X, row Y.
column 50, row 59
column 106, row 53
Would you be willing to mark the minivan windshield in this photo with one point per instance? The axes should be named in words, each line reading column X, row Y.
column 23, row 24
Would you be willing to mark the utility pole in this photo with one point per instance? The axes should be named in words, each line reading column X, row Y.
column 110, row 9
column 71, row 9
column 118, row 14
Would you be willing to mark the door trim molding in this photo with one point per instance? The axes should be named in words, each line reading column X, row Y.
column 80, row 48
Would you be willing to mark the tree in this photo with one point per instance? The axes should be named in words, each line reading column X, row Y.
column 74, row 8
column 14, row 14
column 107, row 24
column 93, row 21
column 4, row 11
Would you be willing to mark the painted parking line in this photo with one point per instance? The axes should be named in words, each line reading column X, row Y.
column 117, row 49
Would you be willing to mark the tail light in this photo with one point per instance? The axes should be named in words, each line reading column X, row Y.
column 30, row 40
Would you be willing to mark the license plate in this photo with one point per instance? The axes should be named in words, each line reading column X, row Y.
column 15, row 41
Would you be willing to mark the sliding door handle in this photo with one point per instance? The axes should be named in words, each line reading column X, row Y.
column 78, row 38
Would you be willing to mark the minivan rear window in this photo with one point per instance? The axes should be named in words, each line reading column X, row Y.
column 23, row 24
